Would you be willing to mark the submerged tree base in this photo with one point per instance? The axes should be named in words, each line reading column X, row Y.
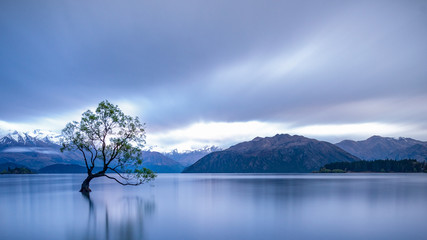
column 85, row 190
column 85, row 185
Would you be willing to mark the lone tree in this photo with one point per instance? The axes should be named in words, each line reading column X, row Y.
column 109, row 141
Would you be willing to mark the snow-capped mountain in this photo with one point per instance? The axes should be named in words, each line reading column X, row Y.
column 38, row 149
column 49, row 136
column 34, row 149
column 186, row 158
column 30, row 138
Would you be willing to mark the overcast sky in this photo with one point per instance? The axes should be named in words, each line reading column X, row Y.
column 218, row 72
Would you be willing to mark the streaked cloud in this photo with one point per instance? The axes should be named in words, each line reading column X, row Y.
column 325, row 69
column 225, row 134
column 31, row 149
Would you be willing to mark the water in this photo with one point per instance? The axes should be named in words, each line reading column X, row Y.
column 216, row 206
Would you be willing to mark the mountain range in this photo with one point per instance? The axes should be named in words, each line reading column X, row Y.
column 35, row 150
column 377, row 147
column 188, row 157
column 40, row 151
column 160, row 163
column 279, row 154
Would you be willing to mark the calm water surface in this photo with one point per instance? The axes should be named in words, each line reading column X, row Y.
column 216, row 206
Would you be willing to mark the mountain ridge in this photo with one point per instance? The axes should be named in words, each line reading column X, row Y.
column 34, row 150
column 38, row 150
column 187, row 158
column 377, row 147
column 159, row 163
column 281, row 153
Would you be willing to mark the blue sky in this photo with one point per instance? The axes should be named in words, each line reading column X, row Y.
column 218, row 72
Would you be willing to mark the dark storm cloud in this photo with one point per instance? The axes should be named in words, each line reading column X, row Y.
column 302, row 62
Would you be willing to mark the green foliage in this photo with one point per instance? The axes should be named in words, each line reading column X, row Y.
column 407, row 165
column 325, row 170
column 109, row 139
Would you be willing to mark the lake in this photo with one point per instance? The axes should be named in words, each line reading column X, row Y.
column 216, row 206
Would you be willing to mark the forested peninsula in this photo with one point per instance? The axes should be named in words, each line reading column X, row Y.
column 388, row 166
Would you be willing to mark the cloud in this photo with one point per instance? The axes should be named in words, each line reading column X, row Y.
column 31, row 149
column 178, row 64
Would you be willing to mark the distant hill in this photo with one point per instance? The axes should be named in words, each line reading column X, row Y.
column 279, row 154
column 377, row 147
column 159, row 163
column 189, row 157
column 417, row 151
column 63, row 168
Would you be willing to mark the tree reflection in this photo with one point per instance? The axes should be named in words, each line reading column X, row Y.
column 121, row 218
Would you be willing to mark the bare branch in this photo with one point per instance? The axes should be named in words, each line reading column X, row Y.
column 96, row 155
column 114, row 170
column 124, row 184
column 84, row 156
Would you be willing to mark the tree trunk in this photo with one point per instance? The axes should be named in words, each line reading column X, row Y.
column 85, row 185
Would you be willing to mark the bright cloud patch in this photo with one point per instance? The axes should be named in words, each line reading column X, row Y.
column 211, row 133
column 224, row 134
